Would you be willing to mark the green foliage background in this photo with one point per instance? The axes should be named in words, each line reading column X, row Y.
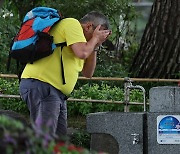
column 120, row 57
column 96, row 91
column 111, row 63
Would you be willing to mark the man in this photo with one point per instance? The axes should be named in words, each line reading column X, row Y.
column 42, row 86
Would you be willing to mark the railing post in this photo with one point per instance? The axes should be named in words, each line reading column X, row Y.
column 126, row 94
column 127, row 87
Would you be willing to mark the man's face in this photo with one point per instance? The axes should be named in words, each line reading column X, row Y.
column 89, row 29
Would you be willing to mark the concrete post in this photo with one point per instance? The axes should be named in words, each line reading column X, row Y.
column 164, row 99
column 165, row 102
column 137, row 133
column 116, row 132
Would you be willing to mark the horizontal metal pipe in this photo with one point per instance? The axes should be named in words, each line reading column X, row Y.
column 142, row 4
column 80, row 100
column 108, row 78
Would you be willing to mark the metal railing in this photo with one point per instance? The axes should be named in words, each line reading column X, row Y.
column 127, row 87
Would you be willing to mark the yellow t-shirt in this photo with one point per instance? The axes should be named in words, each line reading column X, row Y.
column 48, row 69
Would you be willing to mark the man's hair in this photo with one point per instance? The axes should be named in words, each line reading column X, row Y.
column 97, row 18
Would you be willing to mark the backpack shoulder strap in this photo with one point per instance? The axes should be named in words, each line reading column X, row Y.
column 63, row 44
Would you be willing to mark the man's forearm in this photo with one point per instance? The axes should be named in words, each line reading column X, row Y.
column 89, row 65
column 84, row 49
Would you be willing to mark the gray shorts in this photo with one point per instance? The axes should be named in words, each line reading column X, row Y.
column 46, row 104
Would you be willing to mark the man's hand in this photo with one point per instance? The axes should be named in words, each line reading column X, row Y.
column 84, row 49
column 100, row 34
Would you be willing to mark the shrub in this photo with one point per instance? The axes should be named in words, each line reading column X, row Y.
column 11, row 87
column 100, row 92
column 81, row 139
column 17, row 138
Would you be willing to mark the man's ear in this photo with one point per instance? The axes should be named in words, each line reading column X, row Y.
column 88, row 26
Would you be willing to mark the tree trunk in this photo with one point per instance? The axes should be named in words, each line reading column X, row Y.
column 1, row 3
column 159, row 53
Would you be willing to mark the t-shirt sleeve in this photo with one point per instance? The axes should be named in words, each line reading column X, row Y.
column 74, row 32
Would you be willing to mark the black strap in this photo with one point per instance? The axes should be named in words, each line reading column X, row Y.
column 8, row 62
column 33, row 55
column 20, row 69
column 61, row 44
column 62, row 66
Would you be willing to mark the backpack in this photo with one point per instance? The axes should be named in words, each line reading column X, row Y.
column 33, row 41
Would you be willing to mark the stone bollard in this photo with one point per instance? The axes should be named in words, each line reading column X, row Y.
column 153, row 146
column 164, row 102
column 15, row 116
column 117, row 132
column 164, row 99
column 140, row 133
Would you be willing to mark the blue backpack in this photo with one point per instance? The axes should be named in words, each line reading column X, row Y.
column 33, row 41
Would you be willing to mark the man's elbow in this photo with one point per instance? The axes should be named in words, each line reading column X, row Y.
column 83, row 55
column 80, row 50
column 87, row 75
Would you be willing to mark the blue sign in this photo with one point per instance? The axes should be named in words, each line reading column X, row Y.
column 168, row 129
